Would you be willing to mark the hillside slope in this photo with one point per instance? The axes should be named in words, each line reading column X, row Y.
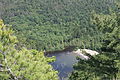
column 54, row 24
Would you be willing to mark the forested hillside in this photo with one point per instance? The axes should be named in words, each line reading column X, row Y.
column 54, row 24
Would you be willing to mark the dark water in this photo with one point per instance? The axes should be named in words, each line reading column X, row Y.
column 64, row 63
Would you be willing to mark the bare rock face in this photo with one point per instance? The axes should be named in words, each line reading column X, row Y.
column 91, row 52
column 81, row 55
column 78, row 51
column 82, row 52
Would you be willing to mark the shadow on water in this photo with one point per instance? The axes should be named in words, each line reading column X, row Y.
column 67, row 48
column 64, row 62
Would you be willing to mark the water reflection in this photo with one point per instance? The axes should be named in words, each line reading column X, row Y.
column 64, row 63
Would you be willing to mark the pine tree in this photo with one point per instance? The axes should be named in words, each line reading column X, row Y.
column 106, row 65
column 22, row 64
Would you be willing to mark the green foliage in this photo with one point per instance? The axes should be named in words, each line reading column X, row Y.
column 54, row 24
column 109, row 25
column 100, row 67
column 107, row 64
column 22, row 64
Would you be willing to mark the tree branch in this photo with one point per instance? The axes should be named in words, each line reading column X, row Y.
column 8, row 68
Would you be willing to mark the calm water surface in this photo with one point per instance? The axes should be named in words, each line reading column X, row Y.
column 64, row 63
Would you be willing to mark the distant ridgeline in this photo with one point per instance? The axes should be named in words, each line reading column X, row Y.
column 54, row 24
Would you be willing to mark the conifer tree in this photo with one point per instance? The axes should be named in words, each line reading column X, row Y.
column 106, row 65
column 22, row 64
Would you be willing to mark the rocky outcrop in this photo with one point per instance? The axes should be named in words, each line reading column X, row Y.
column 82, row 53
column 88, row 51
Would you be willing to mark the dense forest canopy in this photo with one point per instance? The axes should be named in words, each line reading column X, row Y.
column 54, row 24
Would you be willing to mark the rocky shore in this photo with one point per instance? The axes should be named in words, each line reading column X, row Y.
column 82, row 53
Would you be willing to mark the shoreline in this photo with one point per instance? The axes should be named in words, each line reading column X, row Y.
column 69, row 48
